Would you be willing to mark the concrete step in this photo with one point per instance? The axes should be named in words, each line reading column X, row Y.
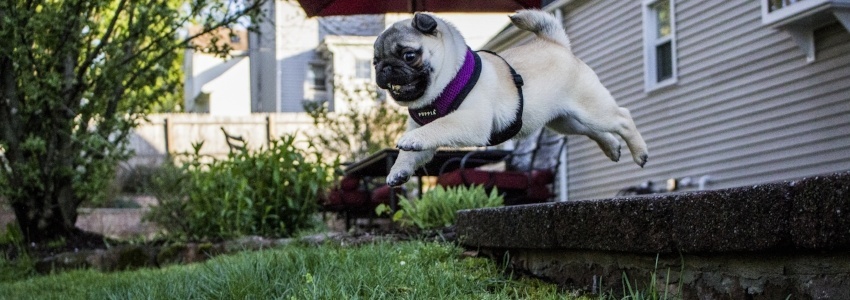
column 776, row 226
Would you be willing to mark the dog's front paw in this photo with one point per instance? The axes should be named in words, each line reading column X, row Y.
column 398, row 178
column 407, row 143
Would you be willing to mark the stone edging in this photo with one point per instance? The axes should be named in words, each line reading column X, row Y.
column 808, row 214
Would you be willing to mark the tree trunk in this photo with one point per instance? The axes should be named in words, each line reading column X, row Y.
column 37, row 225
column 41, row 216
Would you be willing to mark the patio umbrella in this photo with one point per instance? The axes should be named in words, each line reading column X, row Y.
column 356, row 7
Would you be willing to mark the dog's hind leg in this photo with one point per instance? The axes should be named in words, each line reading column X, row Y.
column 609, row 144
column 615, row 120
column 628, row 131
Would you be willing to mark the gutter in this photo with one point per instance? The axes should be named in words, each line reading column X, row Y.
column 511, row 34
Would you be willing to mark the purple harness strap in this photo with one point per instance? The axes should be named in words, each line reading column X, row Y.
column 453, row 94
column 460, row 86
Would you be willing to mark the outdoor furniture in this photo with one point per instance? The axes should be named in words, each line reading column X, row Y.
column 362, row 187
column 234, row 142
column 356, row 197
column 528, row 174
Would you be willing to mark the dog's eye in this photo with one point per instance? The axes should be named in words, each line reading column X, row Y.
column 409, row 56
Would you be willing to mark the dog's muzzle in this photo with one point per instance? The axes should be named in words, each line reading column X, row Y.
column 402, row 82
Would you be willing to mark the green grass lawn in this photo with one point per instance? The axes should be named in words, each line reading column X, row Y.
column 407, row 270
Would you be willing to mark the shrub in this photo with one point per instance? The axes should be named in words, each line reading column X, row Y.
column 270, row 193
column 437, row 207
column 136, row 179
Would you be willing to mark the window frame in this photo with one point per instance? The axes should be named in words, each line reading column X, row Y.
column 794, row 12
column 800, row 19
column 314, row 81
column 366, row 67
column 651, row 44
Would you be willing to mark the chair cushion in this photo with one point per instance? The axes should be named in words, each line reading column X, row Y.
column 344, row 194
column 511, row 180
column 381, row 195
column 349, row 183
column 456, row 178
column 338, row 199
column 542, row 177
column 502, row 180
column 538, row 193
column 450, row 179
column 532, row 186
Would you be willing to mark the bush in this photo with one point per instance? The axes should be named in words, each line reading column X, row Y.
column 437, row 207
column 270, row 193
column 136, row 179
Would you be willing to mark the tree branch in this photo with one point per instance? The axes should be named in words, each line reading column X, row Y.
column 104, row 40
column 182, row 44
column 9, row 105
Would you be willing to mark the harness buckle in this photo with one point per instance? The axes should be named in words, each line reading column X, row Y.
column 517, row 79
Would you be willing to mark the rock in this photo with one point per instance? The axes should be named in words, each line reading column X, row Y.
column 69, row 261
column 127, row 257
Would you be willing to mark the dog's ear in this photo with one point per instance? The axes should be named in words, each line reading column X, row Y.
column 424, row 23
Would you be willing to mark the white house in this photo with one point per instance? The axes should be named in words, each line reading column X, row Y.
column 293, row 58
column 216, row 86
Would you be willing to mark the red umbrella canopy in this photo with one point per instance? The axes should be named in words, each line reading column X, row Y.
column 357, row 7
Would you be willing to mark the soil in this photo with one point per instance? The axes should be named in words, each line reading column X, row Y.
column 81, row 241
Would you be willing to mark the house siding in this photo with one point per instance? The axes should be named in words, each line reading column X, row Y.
column 746, row 109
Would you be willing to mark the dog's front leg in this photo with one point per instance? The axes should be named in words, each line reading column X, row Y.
column 406, row 164
column 458, row 129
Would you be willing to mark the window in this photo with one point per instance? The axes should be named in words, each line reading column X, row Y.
column 363, row 68
column 782, row 12
column 316, row 76
column 779, row 4
column 801, row 17
column 659, row 35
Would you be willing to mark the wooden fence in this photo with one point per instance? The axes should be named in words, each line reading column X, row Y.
column 175, row 133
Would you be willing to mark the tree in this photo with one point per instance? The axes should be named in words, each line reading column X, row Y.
column 75, row 77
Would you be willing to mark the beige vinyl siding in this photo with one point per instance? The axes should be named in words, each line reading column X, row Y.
column 746, row 109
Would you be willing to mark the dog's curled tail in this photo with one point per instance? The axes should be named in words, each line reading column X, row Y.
column 542, row 24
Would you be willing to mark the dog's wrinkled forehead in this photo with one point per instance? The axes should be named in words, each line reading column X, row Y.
column 397, row 36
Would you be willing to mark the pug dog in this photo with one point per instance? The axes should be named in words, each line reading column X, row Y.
column 424, row 60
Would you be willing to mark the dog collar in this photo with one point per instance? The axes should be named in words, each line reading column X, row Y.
column 454, row 93
column 460, row 86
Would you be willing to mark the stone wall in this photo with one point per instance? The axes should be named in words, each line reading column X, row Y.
column 757, row 242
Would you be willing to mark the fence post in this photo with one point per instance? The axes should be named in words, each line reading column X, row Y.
column 168, row 141
column 270, row 125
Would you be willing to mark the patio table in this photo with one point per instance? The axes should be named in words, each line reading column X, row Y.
column 379, row 163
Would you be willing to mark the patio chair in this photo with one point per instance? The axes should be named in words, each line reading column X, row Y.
column 355, row 197
column 234, row 142
column 527, row 175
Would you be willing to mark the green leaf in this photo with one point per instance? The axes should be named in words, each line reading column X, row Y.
column 398, row 215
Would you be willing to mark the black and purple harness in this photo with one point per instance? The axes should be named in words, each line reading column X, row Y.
column 457, row 90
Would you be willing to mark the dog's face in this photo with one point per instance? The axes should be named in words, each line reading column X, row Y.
column 403, row 58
